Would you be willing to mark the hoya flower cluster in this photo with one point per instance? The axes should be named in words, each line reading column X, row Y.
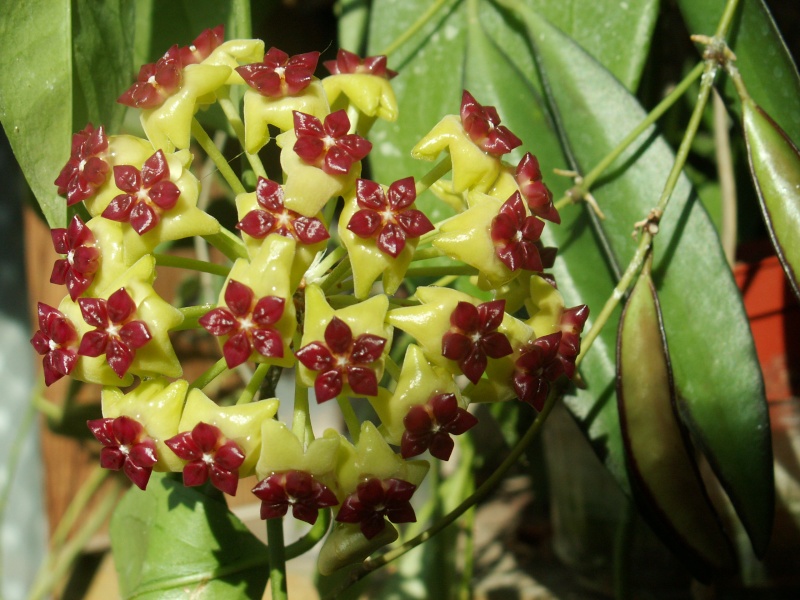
column 316, row 288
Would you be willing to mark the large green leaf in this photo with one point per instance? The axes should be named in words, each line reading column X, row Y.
column 175, row 542
column 716, row 369
column 103, row 48
column 36, row 94
column 761, row 57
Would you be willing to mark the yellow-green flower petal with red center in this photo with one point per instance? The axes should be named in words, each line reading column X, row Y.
column 473, row 169
column 343, row 351
column 240, row 423
column 364, row 83
column 155, row 403
column 307, row 188
column 261, row 111
column 269, row 318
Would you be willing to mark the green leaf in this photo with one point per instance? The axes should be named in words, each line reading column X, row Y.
column 36, row 94
column 103, row 48
column 716, row 370
column 617, row 34
column 175, row 542
column 761, row 57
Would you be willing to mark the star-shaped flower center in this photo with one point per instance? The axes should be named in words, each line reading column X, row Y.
column 388, row 217
column 274, row 217
column 430, row 425
column 473, row 337
column 249, row 324
column 279, row 75
column 117, row 334
column 126, row 447
column 375, row 499
column 482, row 124
column 209, row 456
column 156, row 81
column 203, row 45
column 536, row 368
column 56, row 341
column 537, row 195
column 342, row 360
column 516, row 236
column 348, row 63
column 297, row 489
column 81, row 257
column 147, row 194
column 86, row 169
column 328, row 146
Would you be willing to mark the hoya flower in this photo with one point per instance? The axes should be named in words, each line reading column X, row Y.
column 307, row 188
column 240, row 424
column 57, row 341
column 156, row 81
column 296, row 489
column 208, row 455
column 374, row 501
column 156, row 404
column 537, row 368
column 537, row 195
column 342, row 359
column 81, row 257
column 515, row 235
column 264, row 212
column 146, row 194
column 328, row 145
column 342, row 351
column 473, row 337
column 157, row 198
column 124, row 332
column 126, row 447
column 475, row 141
column 255, row 316
column 291, row 477
column 380, row 229
column 457, row 332
column 369, row 459
column 364, row 82
column 430, row 425
column 280, row 75
column 482, row 124
column 480, row 239
column 87, row 167
column 116, row 334
column 248, row 323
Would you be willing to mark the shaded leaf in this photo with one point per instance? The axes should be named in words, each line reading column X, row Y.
column 716, row 371
column 175, row 542
column 36, row 94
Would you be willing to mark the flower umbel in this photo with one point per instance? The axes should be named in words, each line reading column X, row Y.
column 126, row 447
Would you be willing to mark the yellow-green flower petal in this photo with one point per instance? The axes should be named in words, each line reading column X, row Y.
column 473, row 169
column 371, row 94
column 240, row 423
column 545, row 306
column 234, row 53
column 281, row 451
column 157, row 405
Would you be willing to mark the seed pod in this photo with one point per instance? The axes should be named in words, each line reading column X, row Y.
column 664, row 477
column 775, row 167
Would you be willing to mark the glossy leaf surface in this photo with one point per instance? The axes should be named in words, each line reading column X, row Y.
column 717, row 376
column 175, row 542
column 666, row 482
column 775, row 165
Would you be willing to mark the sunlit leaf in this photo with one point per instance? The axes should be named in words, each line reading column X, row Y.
column 36, row 94
column 175, row 542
